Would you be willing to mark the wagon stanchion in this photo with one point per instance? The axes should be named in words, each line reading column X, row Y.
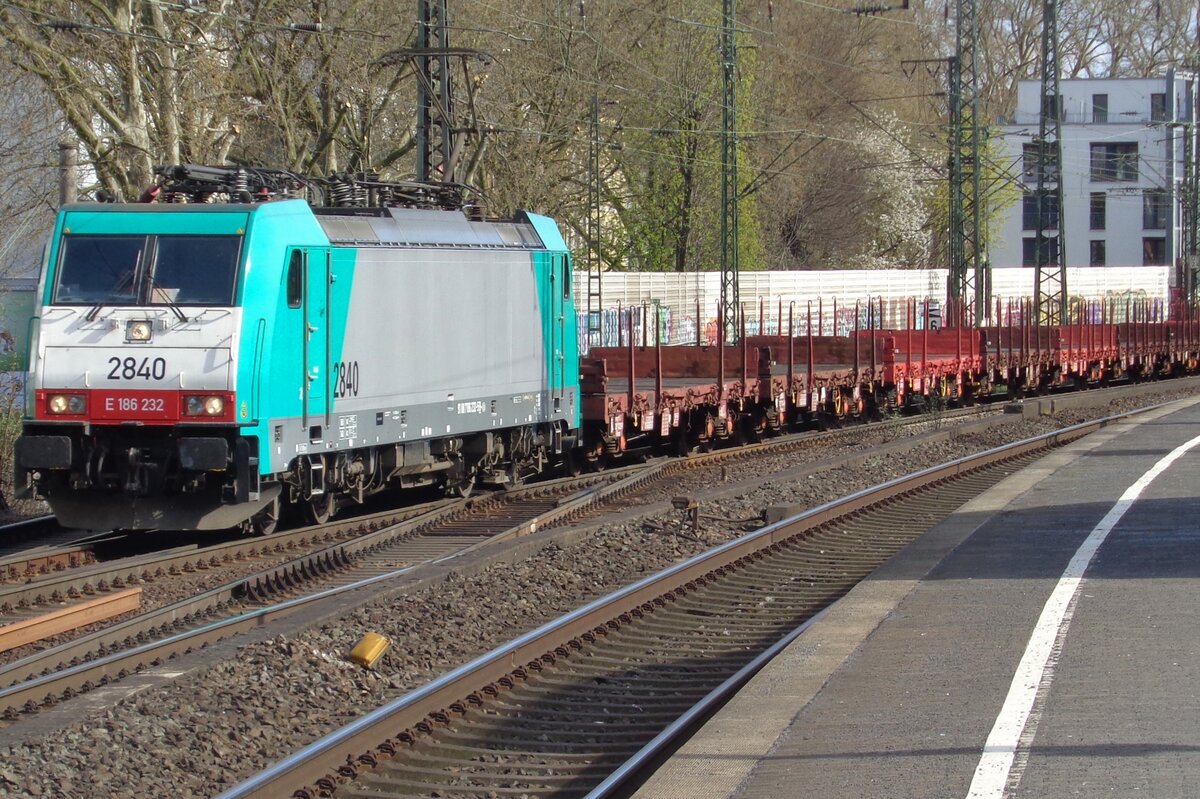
column 791, row 363
column 745, row 359
column 857, row 366
column 659, row 406
column 925, row 352
column 720, row 356
column 910, row 319
column 874, row 327
column 809, row 400
column 632, row 375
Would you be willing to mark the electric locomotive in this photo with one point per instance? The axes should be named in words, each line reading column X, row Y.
column 208, row 365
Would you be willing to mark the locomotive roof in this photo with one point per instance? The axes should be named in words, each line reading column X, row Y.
column 422, row 227
column 381, row 227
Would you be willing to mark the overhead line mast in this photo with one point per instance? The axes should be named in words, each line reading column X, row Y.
column 730, row 304
column 1050, row 241
column 449, row 144
column 970, row 279
column 435, row 157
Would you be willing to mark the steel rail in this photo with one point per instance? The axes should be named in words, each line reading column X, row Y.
column 34, row 685
column 318, row 763
column 347, row 533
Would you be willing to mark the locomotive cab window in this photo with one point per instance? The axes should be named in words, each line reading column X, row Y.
column 147, row 270
column 194, row 270
column 99, row 269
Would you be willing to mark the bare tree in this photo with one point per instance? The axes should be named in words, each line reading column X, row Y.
column 128, row 79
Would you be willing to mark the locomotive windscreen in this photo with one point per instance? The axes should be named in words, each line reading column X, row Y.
column 147, row 270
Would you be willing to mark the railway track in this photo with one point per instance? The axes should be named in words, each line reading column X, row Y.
column 579, row 705
column 61, row 554
column 52, row 575
column 383, row 546
column 45, row 677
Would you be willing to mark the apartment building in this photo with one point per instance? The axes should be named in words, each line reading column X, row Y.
column 1122, row 171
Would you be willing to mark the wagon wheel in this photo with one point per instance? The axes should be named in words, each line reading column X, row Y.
column 839, row 408
column 680, row 442
column 319, row 509
column 266, row 520
column 708, row 432
column 751, row 427
column 743, row 431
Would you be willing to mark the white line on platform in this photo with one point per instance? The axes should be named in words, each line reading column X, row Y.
column 1035, row 670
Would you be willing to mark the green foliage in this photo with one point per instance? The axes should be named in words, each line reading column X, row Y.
column 999, row 191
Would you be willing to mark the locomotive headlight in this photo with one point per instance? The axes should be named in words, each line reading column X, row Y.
column 73, row 404
column 137, row 330
column 202, row 405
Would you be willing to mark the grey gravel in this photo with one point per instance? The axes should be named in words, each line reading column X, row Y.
column 204, row 732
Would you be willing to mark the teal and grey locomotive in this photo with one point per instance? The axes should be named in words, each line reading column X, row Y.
column 203, row 366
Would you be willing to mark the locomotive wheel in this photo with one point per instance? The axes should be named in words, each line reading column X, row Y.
column 266, row 520
column 320, row 509
column 571, row 462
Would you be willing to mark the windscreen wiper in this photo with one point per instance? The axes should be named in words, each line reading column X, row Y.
column 125, row 280
column 166, row 300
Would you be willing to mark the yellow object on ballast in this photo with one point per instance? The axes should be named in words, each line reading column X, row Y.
column 369, row 650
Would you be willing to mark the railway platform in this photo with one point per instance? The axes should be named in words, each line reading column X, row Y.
column 1042, row 641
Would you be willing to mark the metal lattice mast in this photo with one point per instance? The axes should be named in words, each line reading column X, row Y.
column 1050, row 242
column 594, row 298
column 434, row 113
column 1189, row 199
column 730, row 305
column 968, row 279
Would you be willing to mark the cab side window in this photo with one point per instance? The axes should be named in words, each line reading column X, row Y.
column 295, row 279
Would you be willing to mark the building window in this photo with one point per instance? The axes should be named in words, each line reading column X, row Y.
column 1155, row 209
column 1099, row 108
column 1097, row 252
column 1158, row 108
column 1115, row 162
column 1029, row 218
column 1029, row 250
column 1154, row 251
column 1029, row 164
column 1097, row 210
column 1028, row 256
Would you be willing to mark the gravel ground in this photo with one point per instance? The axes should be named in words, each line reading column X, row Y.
column 202, row 733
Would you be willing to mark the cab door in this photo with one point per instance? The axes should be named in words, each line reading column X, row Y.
column 560, row 289
column 316, row 341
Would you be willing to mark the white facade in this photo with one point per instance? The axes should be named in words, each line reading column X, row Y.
column 1122, row 167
